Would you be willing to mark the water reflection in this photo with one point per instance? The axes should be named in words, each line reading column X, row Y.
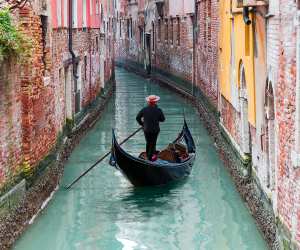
column 104, row 212
column 142, row 200
column 174, row 206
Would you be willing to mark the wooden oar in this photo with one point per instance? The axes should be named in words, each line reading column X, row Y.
column 101, row 159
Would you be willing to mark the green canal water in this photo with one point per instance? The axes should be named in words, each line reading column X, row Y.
column 103, row 211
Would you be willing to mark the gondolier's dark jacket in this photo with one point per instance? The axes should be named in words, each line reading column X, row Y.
column 152, row 116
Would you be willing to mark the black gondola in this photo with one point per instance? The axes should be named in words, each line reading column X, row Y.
column 141, row 172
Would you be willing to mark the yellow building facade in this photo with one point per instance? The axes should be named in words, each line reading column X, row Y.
column 236, row 56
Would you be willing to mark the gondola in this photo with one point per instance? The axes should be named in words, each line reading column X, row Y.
column 141, row 172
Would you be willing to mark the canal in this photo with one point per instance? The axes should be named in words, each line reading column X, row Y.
column 103, row 211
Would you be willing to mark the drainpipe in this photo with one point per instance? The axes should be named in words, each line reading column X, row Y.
column 195, row 31
column 90, row 68
column 246, row 15
column 71, row 43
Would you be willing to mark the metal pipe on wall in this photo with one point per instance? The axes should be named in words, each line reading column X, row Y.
column 71, row 42
column 246, row 15
column 195, row 32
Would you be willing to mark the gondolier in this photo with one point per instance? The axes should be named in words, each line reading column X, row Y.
column 150, row 117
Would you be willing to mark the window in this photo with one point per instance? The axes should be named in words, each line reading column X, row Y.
column 141, row 37
column 58, row 13
column 97, row 44
column 91, row 7
column 172, row 31
column 74, row 13
column 60, row 75
column 166, row 30
column 66, row 21
column 128, row 28
column 153, row 36
column 159, row 30
column 44, row 21
column 131, row 27
column 97, row 7
column 85, row 68
column 178, row 30
column 101, row 11
column 208, row 24
column 84, row 14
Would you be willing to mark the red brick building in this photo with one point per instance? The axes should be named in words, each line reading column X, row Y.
column 158, row 42
column 171, row 40
column 72, row 61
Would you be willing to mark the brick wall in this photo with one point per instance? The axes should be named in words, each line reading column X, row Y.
column 207, row 48
column 10, row 121
column 174, row 46
column 38, row 120
column 231, row 120
column 287, row 177
column 33, row 96
column 173, row 43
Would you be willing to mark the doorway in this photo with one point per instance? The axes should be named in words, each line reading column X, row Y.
column 148, row 53
column 68, row 94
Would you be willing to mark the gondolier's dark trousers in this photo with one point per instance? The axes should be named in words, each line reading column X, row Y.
column 151, row 139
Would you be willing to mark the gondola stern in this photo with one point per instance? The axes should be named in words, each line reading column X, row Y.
column 188, row 137
column 112, row 160
column 114, row 139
